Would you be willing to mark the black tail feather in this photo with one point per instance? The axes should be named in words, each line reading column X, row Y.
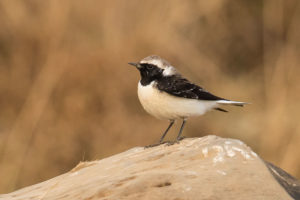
column 238, row 105
column 220, row 109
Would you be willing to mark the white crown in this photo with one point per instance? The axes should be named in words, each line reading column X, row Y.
column 161, row 63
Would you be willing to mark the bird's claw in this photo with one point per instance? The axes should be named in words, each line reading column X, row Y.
column 177, row 141
column 168, row 143
column 180, row 138
column 173, row 142
column 154, row 145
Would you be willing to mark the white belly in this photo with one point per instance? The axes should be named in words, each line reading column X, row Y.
column 165, row 106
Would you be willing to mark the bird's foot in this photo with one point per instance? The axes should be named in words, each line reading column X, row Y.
column 169, row 143
column 154, row 145
column 181, row 138
column 177, row 141
column 172, row 142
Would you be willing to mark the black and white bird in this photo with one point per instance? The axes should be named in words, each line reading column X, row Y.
column 165, row 94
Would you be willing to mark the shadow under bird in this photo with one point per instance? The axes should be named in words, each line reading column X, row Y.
column 165, row 94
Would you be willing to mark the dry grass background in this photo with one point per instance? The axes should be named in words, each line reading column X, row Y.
column 67, row 93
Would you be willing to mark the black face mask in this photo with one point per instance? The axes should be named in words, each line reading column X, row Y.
column 149, row 73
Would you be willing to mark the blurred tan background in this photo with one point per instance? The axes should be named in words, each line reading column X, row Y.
column 67, row 93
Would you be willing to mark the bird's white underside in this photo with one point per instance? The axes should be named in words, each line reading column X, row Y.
column 165, row 106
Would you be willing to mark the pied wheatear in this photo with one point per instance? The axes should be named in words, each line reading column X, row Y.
column 165, row 94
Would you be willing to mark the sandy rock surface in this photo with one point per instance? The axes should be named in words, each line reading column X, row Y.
column 197, row 168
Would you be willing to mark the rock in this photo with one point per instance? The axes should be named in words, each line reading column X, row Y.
column 289, row 183
column 197, row 168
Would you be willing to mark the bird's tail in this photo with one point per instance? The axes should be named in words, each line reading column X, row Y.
column 234, row 103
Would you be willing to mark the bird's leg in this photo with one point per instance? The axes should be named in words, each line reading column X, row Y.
column 162, row 137
column 166, row 131
column 180, row 132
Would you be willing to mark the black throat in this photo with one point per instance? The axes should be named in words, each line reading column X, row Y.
column 145, row 80
column 150, row 73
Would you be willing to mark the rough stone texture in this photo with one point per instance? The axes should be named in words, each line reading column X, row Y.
column 289, row 183
column 197, row 168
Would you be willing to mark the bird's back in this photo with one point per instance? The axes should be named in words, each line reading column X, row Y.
column 180, row 87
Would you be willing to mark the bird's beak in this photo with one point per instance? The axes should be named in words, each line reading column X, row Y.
column 137, row 65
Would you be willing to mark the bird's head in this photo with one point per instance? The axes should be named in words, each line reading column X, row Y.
column 153, row 67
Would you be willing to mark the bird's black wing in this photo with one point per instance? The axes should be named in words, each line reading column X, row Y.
column 181, row 87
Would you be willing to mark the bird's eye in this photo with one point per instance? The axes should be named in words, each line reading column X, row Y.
column 149, row 66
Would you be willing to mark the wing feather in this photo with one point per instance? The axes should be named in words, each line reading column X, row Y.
column 181, row 87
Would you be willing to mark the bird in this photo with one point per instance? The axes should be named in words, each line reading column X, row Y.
column 165, row 94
